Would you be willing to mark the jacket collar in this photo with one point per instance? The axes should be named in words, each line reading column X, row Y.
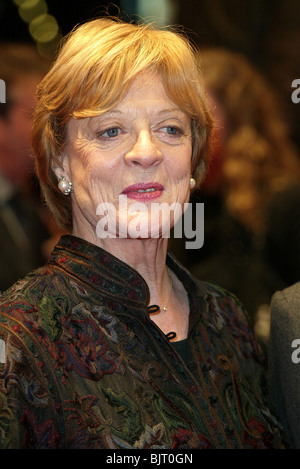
column 106, row 275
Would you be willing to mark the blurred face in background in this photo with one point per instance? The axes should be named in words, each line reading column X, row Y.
column 15, row 161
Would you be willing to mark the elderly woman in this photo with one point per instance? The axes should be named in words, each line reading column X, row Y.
column 113, row 344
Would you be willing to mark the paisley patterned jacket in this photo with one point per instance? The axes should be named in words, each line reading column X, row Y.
column 83, row 366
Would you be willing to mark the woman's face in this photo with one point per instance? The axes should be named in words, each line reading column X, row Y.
column 140, row 150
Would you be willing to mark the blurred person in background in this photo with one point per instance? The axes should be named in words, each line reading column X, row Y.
column 23, row 219
column 253, row 163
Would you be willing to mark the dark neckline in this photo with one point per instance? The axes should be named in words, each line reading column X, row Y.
column 181, row 347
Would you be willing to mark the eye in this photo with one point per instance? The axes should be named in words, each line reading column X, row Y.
column 171, row 130
column 109, row 133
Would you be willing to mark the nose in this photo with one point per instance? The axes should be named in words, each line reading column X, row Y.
column 144, row 152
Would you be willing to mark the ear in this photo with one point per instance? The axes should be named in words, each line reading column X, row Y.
column 60, row 167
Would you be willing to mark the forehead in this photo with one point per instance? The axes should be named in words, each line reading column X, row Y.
column 145, row 95
column 146, row 82
column 147, row 92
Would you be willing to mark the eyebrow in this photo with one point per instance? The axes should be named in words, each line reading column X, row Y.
column 113, row 111
column 159, row 113
column 176, row 109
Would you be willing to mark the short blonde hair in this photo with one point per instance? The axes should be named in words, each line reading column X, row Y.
column 93, row 71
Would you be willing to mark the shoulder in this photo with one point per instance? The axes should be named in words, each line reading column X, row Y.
column 285, row 319
column 285, row 307
column 216, row 305
column 20, row 291
column 209, row 293
column 29, row 390
column 227, row 317
column 225, row 301
column 30, row 315
column 23, row 304
column 289, row 298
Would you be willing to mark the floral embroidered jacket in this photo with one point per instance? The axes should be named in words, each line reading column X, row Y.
column 83, row 366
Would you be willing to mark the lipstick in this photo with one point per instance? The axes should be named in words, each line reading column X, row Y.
column 144, row 191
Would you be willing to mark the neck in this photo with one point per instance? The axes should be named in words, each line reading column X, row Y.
column 146, row 256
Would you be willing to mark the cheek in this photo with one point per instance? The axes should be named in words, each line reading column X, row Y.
column 180, row 164
column 88, row 165
column 180, row 173
column 85, row 173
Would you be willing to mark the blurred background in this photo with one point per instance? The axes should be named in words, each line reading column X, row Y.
column 250, row 55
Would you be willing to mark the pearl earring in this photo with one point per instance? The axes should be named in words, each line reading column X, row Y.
column 65, row 186
column 192, row 183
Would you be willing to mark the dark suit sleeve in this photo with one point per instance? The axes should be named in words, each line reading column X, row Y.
column 284, row 373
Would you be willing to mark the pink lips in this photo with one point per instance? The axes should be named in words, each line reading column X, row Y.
column 142, row 191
